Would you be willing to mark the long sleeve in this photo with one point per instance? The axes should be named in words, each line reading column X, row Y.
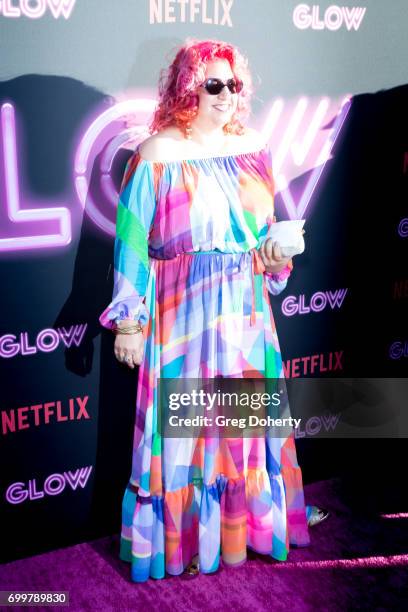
column 135, row 213
column 275, row 283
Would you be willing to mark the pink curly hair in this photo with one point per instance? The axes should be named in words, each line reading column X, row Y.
column 178, row 103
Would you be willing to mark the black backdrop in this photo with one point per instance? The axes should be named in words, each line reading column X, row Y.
column 352, row 242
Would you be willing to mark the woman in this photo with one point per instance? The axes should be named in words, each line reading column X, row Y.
column 192, row 275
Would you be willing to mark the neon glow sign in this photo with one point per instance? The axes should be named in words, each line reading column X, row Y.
column 403, row 227
column 36, row 9
column 292, row 304
column 54, row 484
column 300, row 140
column 398, row 349
column 47, row 341
column 28, row 216
column 305, row 16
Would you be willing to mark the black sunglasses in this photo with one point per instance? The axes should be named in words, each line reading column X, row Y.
column 215, row 86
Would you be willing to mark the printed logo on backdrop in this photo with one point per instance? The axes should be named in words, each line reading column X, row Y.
column 54, row 484
column 405, row 163
column 400, row 289
column 46, row 341
column 47, row 413
column 35, row 9
column 301, row 134
column 318, row 363
column 206, row 12
column 332, row 18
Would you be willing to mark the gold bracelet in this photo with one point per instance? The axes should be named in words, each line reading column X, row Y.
column 129, row 329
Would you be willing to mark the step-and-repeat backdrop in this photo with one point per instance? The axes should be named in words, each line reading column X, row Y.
column 78, row 85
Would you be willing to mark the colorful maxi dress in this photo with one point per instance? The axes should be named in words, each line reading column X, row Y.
column 187, row 267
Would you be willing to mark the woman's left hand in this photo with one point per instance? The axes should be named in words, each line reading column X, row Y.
column 271, row 254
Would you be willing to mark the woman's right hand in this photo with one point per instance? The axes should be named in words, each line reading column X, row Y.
column 128, row 348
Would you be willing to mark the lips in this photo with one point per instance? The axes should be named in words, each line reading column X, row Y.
column 222, row 107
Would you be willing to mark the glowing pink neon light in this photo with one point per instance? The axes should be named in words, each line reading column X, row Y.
column 305, row 17
column 56, row 7
column 403, row 227
column 283, row 125
column 313, row 151
column 398, row 349
column 400, row 515
column 28, row 217
column 18, row 492
column 47, row 340
column 374, row 562
column 293, row 304
column 141, row 109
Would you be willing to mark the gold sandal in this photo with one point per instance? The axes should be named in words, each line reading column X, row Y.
column 194, row 567
column 317, row 515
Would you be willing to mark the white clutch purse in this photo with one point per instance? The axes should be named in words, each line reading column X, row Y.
column 289, row 236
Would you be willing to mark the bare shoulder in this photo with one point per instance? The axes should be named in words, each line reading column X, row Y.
column 170, row 144
column 254, row 139
column 160, row 146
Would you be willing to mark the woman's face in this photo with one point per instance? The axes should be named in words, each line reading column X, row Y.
column 217, row 110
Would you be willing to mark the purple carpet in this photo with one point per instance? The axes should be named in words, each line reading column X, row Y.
column 356, row 561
